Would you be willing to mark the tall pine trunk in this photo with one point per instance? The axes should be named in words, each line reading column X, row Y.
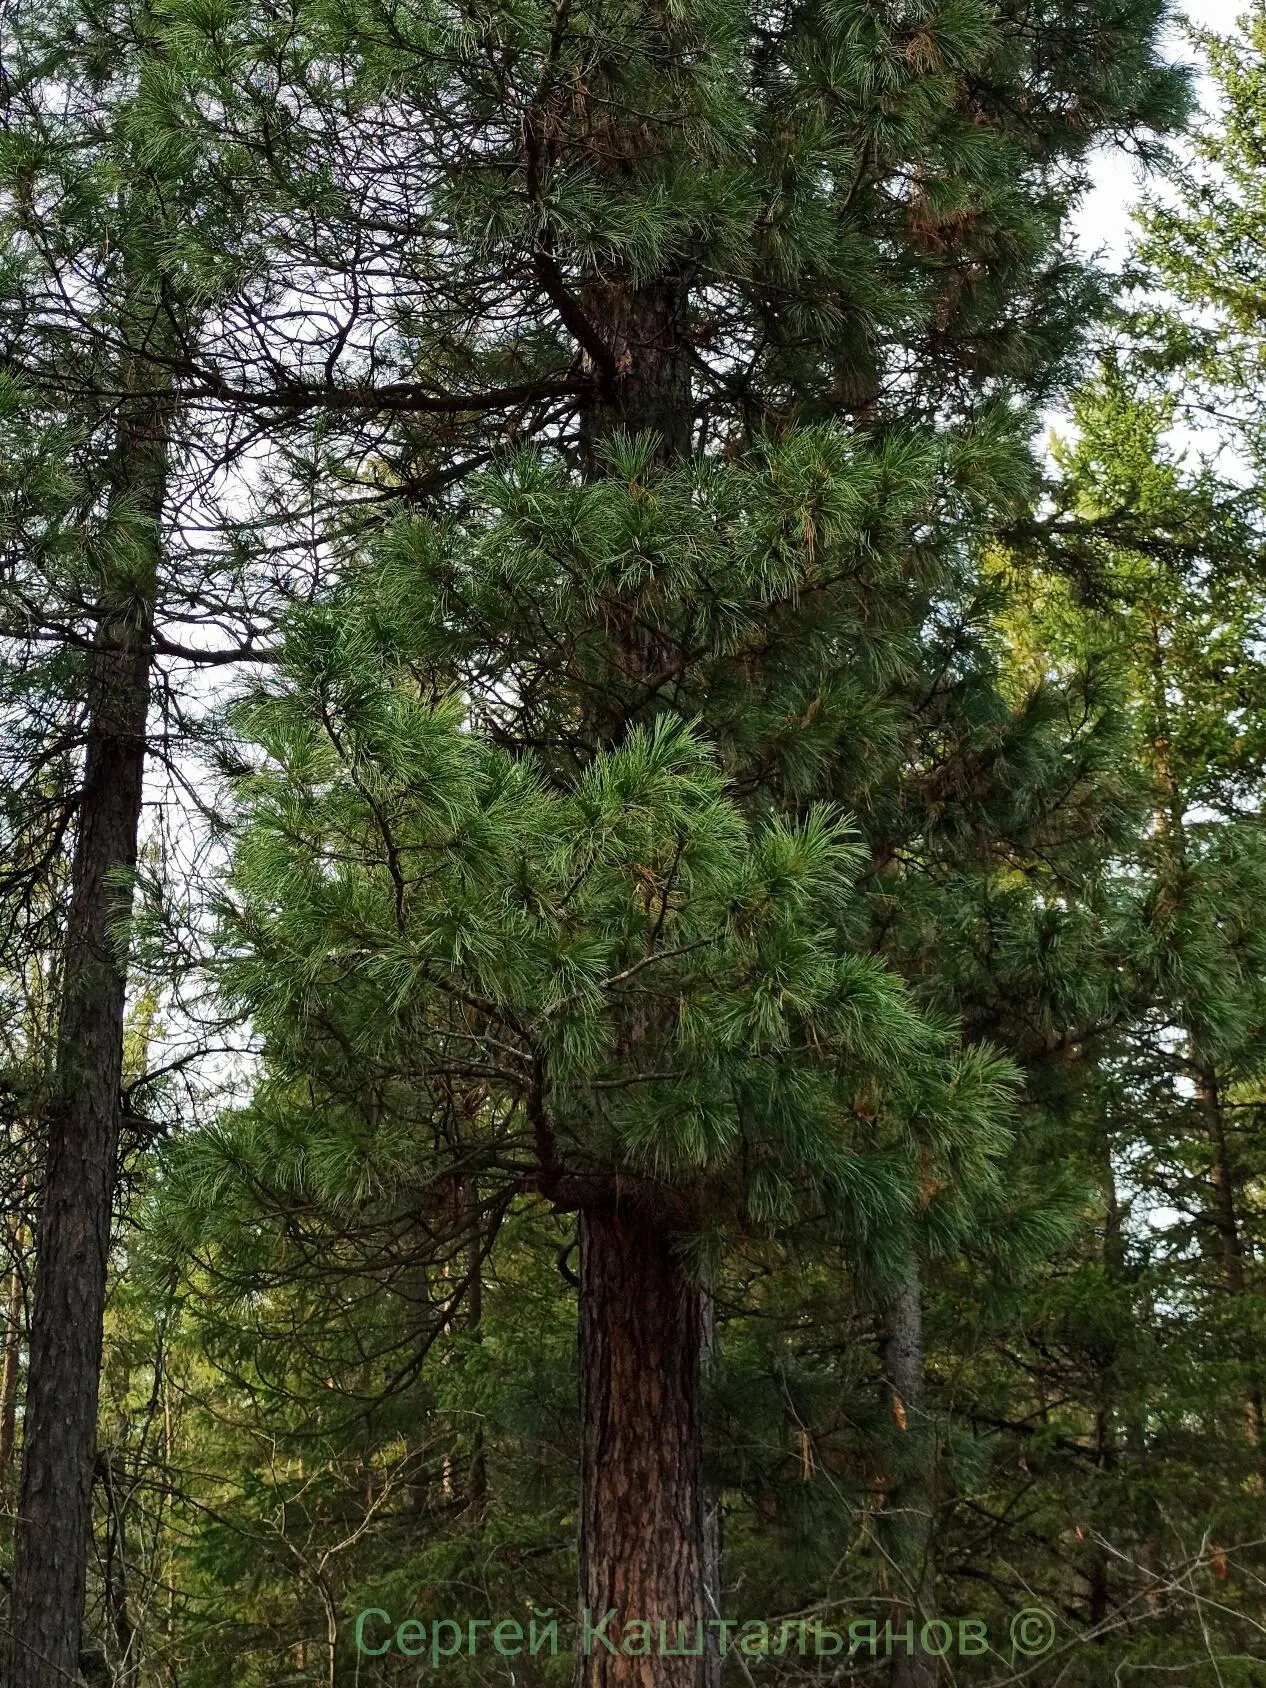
column 72, row 1238
column 642, row 1528
column 910, row 1498
column 648, row 1547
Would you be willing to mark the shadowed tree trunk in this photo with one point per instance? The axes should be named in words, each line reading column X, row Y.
column 910, row 1497
column 474, row 1319
column 72, row 1238
column 713, row 1539
column 645, row 379
column 1226, row 1221
column 10, row 1368
column 1098, row 1574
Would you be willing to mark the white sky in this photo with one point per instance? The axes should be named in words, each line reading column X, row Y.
column 1104, row 222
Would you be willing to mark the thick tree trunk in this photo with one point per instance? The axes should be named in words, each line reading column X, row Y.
column 910, row 1497
column 649, row 1534
column 647, row 387
column 73, row 1230
column 642, row 1527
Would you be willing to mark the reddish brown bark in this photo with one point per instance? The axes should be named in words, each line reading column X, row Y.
column 642, row 1530
column 649, row 1544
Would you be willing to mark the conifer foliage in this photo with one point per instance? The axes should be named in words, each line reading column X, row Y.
column 681, row 849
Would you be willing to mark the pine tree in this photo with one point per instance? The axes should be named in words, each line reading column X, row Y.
column 637, row 661
column 627, row 977
column 1174, row 546
column 1176, row 553
column 83, row 1116
column 85, row 500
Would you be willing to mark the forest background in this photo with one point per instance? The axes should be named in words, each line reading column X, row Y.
column 630, row 912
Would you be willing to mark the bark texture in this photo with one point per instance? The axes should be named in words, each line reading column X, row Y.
column 645, row 379
column 642, row 1527
column 73, row 1229
column 910, row 1498
column 649, row 1543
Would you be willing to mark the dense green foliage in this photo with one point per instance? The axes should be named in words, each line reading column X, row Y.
column 742, row 775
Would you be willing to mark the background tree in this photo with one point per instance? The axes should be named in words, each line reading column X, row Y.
column 85, row 524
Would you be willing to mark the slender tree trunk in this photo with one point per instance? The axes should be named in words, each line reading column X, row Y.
column 73, row 1228
column 642, row 1527
column 1107, row 1406
column 910, row 1499
column 1222, row 1177
column 713, row 1535
column 10, row 1367
column 478, row 1453
column 1099, row 1575
column 1231, row 1244
column 116, row 1580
